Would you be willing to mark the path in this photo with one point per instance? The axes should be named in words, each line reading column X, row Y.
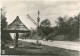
column 61, row 44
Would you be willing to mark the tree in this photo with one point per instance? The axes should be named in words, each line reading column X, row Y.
column 5, row 37
column 45, row 23
column 75, row 27
column 61, row 25
column 69, row 28
column 45, row 27
column 64, row 26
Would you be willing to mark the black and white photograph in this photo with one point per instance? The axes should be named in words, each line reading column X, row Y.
column 40, row 27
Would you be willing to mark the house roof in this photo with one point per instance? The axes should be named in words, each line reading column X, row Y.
column 17, row 25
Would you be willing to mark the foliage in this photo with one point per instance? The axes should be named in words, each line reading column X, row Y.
column 45, row 28
column 69, row 28
column 5, row 37
column 45, row 23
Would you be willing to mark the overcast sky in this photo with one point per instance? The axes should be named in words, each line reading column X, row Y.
column 49, row 9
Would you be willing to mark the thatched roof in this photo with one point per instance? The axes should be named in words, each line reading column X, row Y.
column 17, row 25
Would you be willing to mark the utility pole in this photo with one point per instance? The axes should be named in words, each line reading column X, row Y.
column 38, row 21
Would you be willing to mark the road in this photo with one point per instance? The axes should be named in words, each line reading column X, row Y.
column 61, row 44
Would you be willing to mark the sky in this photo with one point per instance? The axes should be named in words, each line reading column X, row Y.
column 49, row 9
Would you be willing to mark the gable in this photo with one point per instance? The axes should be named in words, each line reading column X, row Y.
column 17, row 25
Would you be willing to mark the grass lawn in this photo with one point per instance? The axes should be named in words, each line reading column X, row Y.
column 30, row 49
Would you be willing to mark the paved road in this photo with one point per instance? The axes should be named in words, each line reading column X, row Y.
column 61, row 44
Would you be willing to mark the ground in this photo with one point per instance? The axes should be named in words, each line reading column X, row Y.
column 28, row 48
